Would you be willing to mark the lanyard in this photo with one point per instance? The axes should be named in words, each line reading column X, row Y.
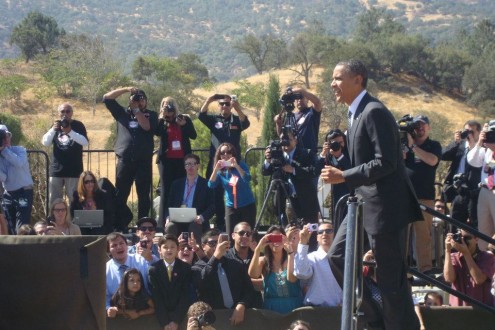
column 188, row 191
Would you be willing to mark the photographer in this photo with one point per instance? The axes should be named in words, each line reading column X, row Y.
column 461, row 187
column 482, row 155
column 175, row 131
column 307, row 118
column 469, row 270
column 335, row 153
column 17, row 182
column 297, row 169
column 224, row 127
column 68, row 137
column 422, row 158
column 134, row 150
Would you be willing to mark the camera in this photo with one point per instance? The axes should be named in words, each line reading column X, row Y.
column 335, row 145
column 288, row 98
column 185, row 235
column 277, row 157
column 313, row 227
column 206, row 318
column 64, row 123
column 137, row 97
column 465, row 133
column 490, row 133
column 143, row 244
column 406, row 125
column 459, row 181
column 457, row 237
column 233, row 98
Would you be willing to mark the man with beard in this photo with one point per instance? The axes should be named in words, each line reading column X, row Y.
column 422, row 157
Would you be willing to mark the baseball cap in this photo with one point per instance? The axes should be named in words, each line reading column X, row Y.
column 421, row 118
column 146, row 219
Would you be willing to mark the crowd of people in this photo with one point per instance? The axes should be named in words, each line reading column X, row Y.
column 298, row 261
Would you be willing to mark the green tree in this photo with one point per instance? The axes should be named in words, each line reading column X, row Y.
column 479, row 80
column 251, row 94
column 272, row 108
column 35, row 34
column 256, row 49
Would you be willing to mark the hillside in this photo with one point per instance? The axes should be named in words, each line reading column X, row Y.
column 37, row 117
column 210, row 28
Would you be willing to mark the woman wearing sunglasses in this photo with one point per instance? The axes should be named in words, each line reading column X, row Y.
column 89, row 196
column 233, row 174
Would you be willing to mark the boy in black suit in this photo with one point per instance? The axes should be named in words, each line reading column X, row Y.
column 169, row 278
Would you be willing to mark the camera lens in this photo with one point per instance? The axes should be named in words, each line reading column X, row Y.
column 335, row 145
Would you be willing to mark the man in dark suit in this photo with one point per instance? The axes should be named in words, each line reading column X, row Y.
column 169, row 278
column 378, row 176
column 464, row 198
column 298, row 173
column 222, row 282
column 191, row 191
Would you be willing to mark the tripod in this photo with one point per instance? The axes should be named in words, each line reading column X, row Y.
column 277, row 185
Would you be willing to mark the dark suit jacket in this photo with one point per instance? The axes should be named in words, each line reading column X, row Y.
column 378, row 173
column 208, row 285
column 454, row 152
column 306, row 201
column 203, row 199
column 170, row 298
column 188, row 132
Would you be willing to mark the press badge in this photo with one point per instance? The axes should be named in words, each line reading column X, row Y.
column 176, row 145
column 301, row 120
column 133, row 124
column 233, row 180
column 218, row 125
column 23, row 202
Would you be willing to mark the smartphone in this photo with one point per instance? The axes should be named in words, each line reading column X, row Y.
column 219, row 96
column 226, row 163
column 158, row 234
column 275, row 238
column 313, row 227
column 185, row 235
column 223, row 237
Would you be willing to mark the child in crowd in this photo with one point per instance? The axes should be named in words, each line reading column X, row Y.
column 169, row 278
column 131, row 299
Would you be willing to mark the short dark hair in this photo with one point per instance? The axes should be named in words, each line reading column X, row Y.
column 333, row 133
column 168, row 237
column 355, row 68
column 210, row 233
column 193, row 156
column 112, row 237
column 474, row 123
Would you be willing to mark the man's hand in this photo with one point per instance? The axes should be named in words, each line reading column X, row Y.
column 181, row 121
column 304, row 235
column 238, row 315
column 221, row 249
column 268, row 153
column 457, row 137
column 171, row 326
column 67, row 129
column 288, row 169
column 325, row 150
column 56, row 125
column 332, row 175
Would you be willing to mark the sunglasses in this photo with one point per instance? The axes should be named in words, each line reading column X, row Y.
column 325, row 231
column 147, row 228
column 65, row 111
column 59, row 210
column 226, row 152
column 212, row 243
column 190, row 164
column 89, row 181
column 224, row 104
column 244, row 233
column 187, row 247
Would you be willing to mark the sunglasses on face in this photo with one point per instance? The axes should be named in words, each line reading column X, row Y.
column 89, row 181
column 212, row 243
column 147, row 228
column 226, row 152
column 187, row 247
column 244, row 233
column 224, row 104
column 325, row 231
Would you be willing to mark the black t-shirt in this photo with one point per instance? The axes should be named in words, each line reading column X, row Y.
column 67, row 154
column 421, row 174
column 224, row 130
column 133, row 142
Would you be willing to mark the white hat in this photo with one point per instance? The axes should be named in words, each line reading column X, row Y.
column 4, row 128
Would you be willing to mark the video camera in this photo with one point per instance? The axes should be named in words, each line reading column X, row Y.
column 288, row 98
column 490, row 133
column 277, row 158
column 64, row 123
column 406, row 125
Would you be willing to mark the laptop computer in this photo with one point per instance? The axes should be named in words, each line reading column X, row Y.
column 88, row 218
column 182, row 214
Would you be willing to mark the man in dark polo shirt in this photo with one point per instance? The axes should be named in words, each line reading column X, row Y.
column 224, row 127
column 134, row 149
column 422, row 157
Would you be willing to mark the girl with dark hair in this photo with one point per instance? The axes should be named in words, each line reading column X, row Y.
column 233, row 174
column 89, row 196
column 281, row 289
column 131, row 299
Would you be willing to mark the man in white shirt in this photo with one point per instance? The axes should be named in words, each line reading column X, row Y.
column 314, row 269
column 122, row 261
